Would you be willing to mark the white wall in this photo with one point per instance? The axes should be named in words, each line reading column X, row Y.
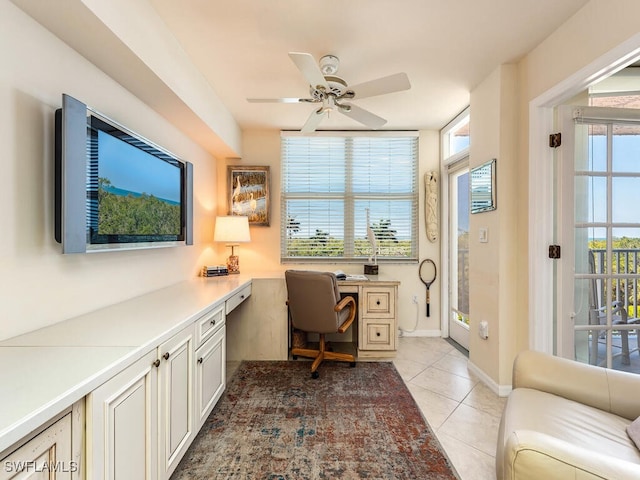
column 492, row 272
column 39, row 285
column 263, row 253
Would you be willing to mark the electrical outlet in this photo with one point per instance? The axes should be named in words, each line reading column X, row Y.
column 484, row 330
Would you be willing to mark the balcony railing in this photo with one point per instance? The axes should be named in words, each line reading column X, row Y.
column 625, row 279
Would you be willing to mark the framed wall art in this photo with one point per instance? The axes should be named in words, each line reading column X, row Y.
column 483, row 187
column 248, row 193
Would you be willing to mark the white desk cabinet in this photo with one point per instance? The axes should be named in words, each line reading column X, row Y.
column 176, row 387
column 40, row 457
column 142, row 421
column 52, row 452
column 210, row 374
column 147, row 389
column 122, row 424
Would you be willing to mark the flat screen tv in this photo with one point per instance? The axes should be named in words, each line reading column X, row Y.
column 115, row 189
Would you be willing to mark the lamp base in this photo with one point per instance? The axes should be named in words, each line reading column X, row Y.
column 233, row 264
column 370, row 269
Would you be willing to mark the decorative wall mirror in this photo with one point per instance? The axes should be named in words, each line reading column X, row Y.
column 483, row 187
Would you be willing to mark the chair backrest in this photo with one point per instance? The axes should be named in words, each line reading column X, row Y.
column 312, row 297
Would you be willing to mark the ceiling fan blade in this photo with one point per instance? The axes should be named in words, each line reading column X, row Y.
column 380, row 86
column 309, row 68
column 313, row 121
column 280, row 100
column 363, row 116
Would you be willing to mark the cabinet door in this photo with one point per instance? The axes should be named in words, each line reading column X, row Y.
column 122, row 422
column 47, row 456
column 177, row 422
column 210, row 374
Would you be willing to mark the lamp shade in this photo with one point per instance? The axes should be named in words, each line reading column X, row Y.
column 232, row 229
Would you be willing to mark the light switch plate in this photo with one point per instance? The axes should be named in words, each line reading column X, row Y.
column 483, row 235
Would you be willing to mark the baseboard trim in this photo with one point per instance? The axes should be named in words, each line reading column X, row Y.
column 420, row 333
column 500, row 390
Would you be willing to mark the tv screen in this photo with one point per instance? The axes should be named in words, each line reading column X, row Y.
column 134, row 189
column 115, row 189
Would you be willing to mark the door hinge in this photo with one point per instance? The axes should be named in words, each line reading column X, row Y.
column 555, row 140
column 554, row 251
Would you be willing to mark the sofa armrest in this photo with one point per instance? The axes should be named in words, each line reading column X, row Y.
column 605, row 389
column 532, row 455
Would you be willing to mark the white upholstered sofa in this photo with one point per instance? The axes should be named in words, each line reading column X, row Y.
column 567, row 420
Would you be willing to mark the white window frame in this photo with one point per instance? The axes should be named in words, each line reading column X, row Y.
column 445, row 160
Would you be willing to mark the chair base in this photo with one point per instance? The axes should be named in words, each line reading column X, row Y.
column 322, row 354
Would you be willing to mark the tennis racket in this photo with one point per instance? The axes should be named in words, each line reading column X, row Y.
column 427, row 272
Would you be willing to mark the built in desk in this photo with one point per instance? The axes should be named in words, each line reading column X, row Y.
column 260, row 330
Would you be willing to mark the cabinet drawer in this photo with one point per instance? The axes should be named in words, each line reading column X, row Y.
column 237, row 298
column 378, row 335
column 378, row 302
column 209, row 323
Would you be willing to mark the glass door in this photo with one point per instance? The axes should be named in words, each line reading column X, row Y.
column 600, row 222
column 459, row 253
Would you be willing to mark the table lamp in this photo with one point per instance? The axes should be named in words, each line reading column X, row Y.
column 232, row 230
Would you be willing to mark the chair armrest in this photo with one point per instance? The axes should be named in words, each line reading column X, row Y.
column 605, row 389
column 533, row 455
column 341, row 306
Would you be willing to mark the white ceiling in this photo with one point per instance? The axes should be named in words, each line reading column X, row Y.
column 447, row 47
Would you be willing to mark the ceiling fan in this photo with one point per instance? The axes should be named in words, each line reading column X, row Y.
column 331, row 91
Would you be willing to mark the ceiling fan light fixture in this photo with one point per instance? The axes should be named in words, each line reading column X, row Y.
column 329, row 64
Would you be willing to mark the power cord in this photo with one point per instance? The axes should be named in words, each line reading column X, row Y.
column 414, row 299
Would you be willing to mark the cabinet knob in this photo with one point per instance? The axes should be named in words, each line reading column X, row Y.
column 200, row 360
column 377, row 334
column 166, row 356
column 213, row 322
column 242, row 297
column 156, row 363
column 377, row 302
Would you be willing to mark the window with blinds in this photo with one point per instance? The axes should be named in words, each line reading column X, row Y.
column 329, row 182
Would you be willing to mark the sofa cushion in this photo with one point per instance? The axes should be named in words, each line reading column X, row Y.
column 570, row 421
column 633, row 431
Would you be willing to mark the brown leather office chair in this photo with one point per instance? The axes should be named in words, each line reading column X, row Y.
column 315, row 307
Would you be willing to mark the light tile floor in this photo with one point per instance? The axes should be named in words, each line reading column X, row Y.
column 461, row 410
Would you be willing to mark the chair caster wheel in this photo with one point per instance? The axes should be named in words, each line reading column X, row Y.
column 352, row 364
column 314, row 375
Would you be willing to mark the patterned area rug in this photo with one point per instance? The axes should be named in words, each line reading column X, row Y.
column 276, row 422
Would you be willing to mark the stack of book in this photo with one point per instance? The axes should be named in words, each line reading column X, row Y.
column 214, row 271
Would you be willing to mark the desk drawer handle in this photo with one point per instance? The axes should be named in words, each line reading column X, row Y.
column 156, row 363
column 166, row 356
column 200, row 360
column 213, row 322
